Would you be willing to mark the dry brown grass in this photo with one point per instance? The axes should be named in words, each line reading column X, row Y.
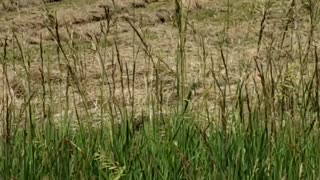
column 160, row 36
column 12, row 5
column 195, row 4
column 12, row 89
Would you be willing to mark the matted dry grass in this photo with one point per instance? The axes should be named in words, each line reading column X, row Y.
column 161, row 38
column 195, row 4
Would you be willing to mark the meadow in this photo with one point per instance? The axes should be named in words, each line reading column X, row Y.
column 159, row 89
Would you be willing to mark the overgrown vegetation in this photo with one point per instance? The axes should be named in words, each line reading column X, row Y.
column 258, row 119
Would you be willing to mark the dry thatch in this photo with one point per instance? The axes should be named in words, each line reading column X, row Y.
column 194, row 4
column 7, row 92
column 12, row 5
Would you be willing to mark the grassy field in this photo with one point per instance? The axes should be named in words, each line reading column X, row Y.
column 159, row 89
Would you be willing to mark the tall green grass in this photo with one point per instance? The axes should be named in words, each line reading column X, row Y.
column 268, row 131
column 181, row 151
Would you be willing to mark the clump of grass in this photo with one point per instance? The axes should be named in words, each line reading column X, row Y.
column 263, row 126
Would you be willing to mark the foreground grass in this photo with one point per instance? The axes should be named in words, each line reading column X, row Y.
column 177, row 149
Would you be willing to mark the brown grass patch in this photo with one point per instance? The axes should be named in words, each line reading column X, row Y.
column 195, row 4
